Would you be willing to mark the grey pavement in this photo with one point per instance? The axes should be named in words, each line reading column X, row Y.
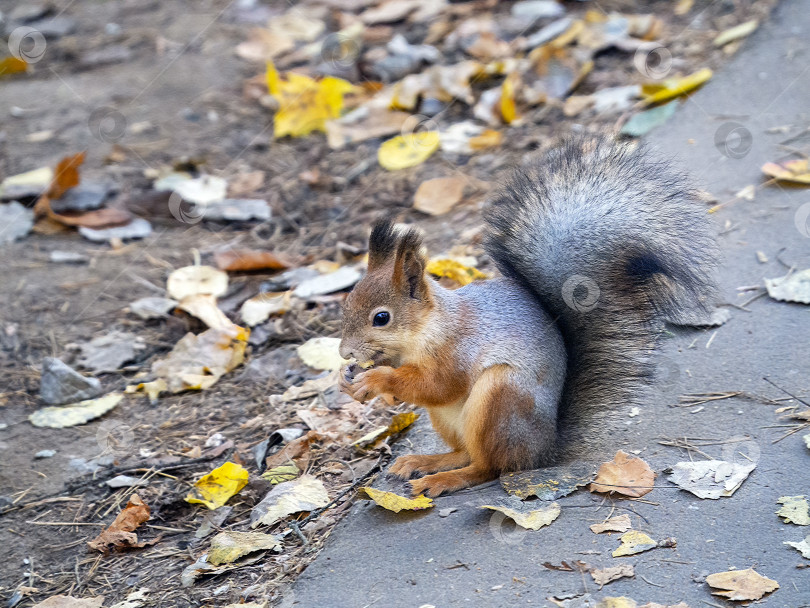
column 469, row 558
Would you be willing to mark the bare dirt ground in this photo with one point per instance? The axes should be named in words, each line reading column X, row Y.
column 165, row 76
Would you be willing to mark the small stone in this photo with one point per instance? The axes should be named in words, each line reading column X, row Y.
column 55, row 27
column 81, row 198
column 62, row 384
column 126, row 481
column 537, row 9
column 237, row 210
column 431, row 106
column 68, row 257
column 45, row 454
column 288, row 279
column 16, row 222
column 138, row 228
column 152, row 307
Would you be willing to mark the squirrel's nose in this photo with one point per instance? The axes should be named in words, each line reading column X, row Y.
column 345, row 350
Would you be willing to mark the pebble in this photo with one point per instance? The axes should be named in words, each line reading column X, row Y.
column 62, row 384
column 138, row 228
column 16, row 221
column 45, row 454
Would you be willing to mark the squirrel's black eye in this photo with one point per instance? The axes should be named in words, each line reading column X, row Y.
column 381, row 318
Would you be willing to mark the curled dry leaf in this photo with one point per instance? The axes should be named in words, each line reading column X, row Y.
column 259, row 308
column 532, row 519
column 322, row 353
column 76, row 413
column 795, row 510
column 244, row 260
column 395, row 502
column 634, row 542
column 608, row 575
column 665, row 90
column 741, row 585
column 398, row 424
column 230, row 545
column 438, row 196
column 306, row 493
column 620, row 523
column 193, row 280
column 792, row 171
column 710, row 478
column 121, row 532
column 626, row 474
column 216, row 488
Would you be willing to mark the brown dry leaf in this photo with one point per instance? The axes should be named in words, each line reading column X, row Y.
column 620, row 523
column 243, row 260
column 244, row 184
column 296, row 451
column 740, row 585
column 12, row 65
column 390, row 11
column 334, row 422
column 608, row 575
column 66, row 175
column 121, row 532
column 438, row 196
column 625, row 474
column 310, row 388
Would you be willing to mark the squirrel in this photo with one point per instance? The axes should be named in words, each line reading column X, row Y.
column 599, row 244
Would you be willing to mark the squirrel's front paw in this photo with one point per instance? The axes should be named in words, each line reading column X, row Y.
column 405, row 466
column 366, row 385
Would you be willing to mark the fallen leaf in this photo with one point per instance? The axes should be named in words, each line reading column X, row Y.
column 204, row 307
column 438, row 196
column 28, row 184
column 281, row 473
column 66, row 175
column 710, row 478
column 245, row 184
column 338, row 280
column 151, row 389
column 549, row 483
column 795, row 510
column 362, row 124
column 740, row 585
column 305, row 104
column 634, row 542
column 321, row 353
column 259, row 308
column 16, row 221
column 335, row 422
column 12, row 65
column 121, row 532
column 306, row 493
column 616, row 602
column 97, row 218
column 409, row 150
column 455, row 271
column 310, row 388
column 295, row 452
column 507, row 107
column 216, row 488
column 793, row 287
column 398, row 424
column 395, row 502
column 134, row 599
column 614, row 573
column 807, row 441
column 264, row 45
column 230, row 545
column 664, row 90
column 736, row 32
column 109, row 352
column 625, row 474
column 655, row 605
column 533, row 519
column 793, row 171
column 193, row 280
column 76, row 413
column 620, row 523
column 803, row 547
column 244, row 260
column 66, row 601
column 644, row 122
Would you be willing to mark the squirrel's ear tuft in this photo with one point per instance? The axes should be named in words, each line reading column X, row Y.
column 409, row 265
column 382, row 244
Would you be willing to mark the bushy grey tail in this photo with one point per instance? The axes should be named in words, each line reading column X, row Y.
column 613, row 242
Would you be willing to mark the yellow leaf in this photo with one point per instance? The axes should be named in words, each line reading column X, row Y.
column 152, row 389
column 487, row 139
column 395, row 502
column 230, row 545
column 216, row 488
column 398, row 423
column 634, row 542
column 532, row 520
column 76, row 413
column 741, row 585
column 407, row 150
column 736, row 32
column 659, row 92
column 508, row 107
column 795, row 510
column 281, row 473
column 795, row 171
column 11, row 65
column 455, row 271
column 305, row 104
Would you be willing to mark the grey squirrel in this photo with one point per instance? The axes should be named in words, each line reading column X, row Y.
column 598, row 244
